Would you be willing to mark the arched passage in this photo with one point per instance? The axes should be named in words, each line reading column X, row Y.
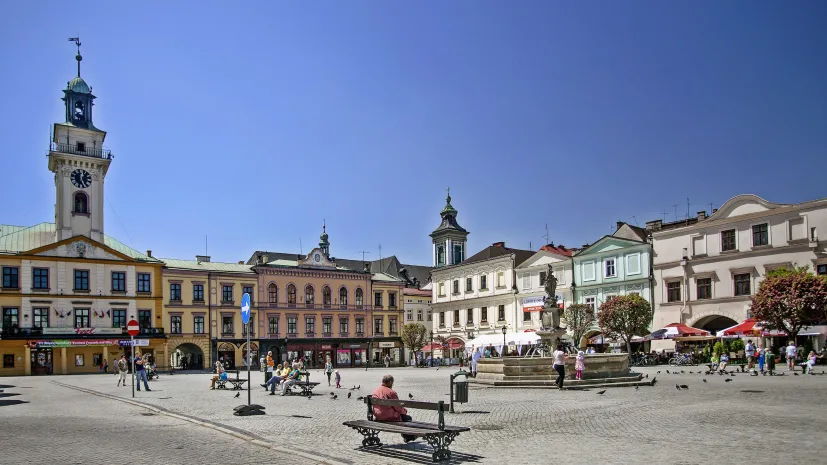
column 188, row 356
column 715, row 323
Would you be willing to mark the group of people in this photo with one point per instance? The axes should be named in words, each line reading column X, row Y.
column 766, row 357
column 141, row 365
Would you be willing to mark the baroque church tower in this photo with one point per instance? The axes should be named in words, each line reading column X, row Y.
column 449, row 238
column 80, row 162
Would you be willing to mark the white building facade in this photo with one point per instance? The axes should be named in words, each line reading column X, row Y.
column 531, row 281
column 706, row 273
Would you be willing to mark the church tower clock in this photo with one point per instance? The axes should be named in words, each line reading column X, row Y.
column 80, row 162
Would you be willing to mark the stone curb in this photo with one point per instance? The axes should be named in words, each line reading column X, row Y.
column 208, row 424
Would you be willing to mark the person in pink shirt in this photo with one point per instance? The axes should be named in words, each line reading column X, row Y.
column 390, row 413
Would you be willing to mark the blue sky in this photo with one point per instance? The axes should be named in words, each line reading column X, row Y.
column 252, row 124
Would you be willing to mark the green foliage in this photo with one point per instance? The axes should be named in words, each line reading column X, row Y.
column 578, row 319
column 790, row 300
column 413, row 336
column 624, row 316
column 736, row 345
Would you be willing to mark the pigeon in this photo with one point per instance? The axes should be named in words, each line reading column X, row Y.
column 691, row 372
column 704, row 380
column 359, row 387
column 728, row 380
column 795, row 374
column 360, row 398
column 681, row 371
column 332, row 393
column 437, row 368
column 677, row 387
column 647, row 375
column 667, row 371
column 349, row 394
column 764, row 373
column 237, row 394
column 410, row 396
column 654, row 380
column 637, row 387
column 658, row 371
column 309, row 397
column 335, row 397
column 683, row 386
column 600, row 393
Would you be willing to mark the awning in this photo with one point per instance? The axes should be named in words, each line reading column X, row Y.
column 694, row 338
column 746, row 328
column 814, row 331
column 680, row 329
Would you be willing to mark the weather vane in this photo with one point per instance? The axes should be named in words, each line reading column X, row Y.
column 76, row 40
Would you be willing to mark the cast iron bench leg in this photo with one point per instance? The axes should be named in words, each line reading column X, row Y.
column 371, row 437
column 440, row 443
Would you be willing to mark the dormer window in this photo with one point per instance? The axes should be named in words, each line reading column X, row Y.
column 81, row 203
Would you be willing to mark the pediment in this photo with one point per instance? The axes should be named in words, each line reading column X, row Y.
column 316, row 259
column 542, row 258
column 608, row 244
column 741, row 205
column 80, row 247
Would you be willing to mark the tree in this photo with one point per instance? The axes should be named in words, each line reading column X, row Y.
column 790, row 300
column 578, row 318
column 623, row 317
column 413, row 336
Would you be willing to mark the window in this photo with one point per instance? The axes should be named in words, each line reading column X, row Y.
column 175, row 291
column 309, row 325
column 610, row 268
column 469, row 284
column 430, row 317
column 359, row 298
column 455, row 287
column 292, row 325
column 11, row 318
column 392, row 324
column 227, row 294
column 227, row 325
column 8, row 360
column 343, row 296
column 457, row 254
column 81, row 280
column 469, row 316
column 500, row 279
column 704, row 286
column 441, row 289
column 377, row 299
column 633, row 264
column 419, row 315
column 441, row 319
column 501, row 313
column 760, row 235
column 175, row 324
column 360, row 326
column 699, row 245
column 727, row 240
column 327, row 299
column 309, row 295
column 273, row 325
column 291, row 295
column 673, row 291
column 81, row 203
column 81, row 318
column 542, row 278
column 343, row 325
column 742, row 284
column 145, row 319
column 483, row 282
column 143, row 282
column 80, row 146
column 526, row 316
column 11, row 277
column 456, row 317
column 440, row 256
column 40, row 278
column 119, row 318
column 272, row 293
column 409, row 315
column 527, row 281
column 119, row 281
column 821, row 270
column 588, row 271
column 249, row 291
column 590, row 302
column 198, row 325
column 377, row 326
column 327, row 325
column 197, row 292
column 41, row 318
column 392, row 299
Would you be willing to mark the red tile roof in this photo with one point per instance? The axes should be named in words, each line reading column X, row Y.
column 412, row 291
column 558, row 249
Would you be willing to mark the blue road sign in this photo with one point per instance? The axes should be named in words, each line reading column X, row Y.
column 245, row 308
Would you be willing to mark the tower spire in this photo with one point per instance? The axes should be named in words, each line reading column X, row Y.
column 79, row 58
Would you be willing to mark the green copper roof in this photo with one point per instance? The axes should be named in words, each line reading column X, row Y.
column 78, row 85
column 207, row 266
column 448, row 207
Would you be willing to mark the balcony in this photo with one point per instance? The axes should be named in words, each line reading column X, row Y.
column 360, row 334
column 292, row 335
column 394, row 333
column 327, row 335
column 310, row 305
column 63, row 147
column 343, row 334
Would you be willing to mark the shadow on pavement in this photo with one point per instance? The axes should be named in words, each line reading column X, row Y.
column 9, row 394
column 4, row 403
column 417, row 453
column 5, row 386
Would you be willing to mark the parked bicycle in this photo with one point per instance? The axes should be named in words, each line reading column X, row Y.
column 681, row 360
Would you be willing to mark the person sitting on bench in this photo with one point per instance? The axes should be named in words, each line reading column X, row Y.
column 291, row 379
column 274, row 381
column 219, row 368
column 390, row 413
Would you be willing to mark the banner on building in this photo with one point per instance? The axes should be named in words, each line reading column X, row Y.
column 387, row 345
column 138, row 342
column 83, row 331
column 533, row 304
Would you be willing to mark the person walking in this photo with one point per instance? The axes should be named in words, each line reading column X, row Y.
column 750, row 352
column 580, row 364
column 387, row 360
column 140, row 372
column 122, row 368
column 338, row 379
column 791, row 351
column 386, row 412
column 560, row 365
column 328, row 369
column 761, row 360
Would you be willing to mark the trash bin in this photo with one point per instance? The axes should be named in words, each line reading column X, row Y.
column 461, row 388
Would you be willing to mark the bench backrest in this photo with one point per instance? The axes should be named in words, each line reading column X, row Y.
column 438, row 406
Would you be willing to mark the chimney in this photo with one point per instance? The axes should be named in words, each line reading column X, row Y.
column 498, row 244
column 149, row 253
column 585, row 245
column 202, row 258
column 714, row 210
column 655, row 225
column 620, row 224
column 367, row 268
column 702, row 215
column 241, row 262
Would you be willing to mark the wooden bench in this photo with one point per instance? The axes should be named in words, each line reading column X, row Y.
column 306, row 386
column 439, row 436
column 222, row 383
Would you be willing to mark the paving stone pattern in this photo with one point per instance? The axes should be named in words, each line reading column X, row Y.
column 711, row 422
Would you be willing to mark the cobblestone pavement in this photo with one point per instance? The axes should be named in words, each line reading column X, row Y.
column 57, row 425
column 750, row 419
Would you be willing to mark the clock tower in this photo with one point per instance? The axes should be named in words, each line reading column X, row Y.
column 80, row 162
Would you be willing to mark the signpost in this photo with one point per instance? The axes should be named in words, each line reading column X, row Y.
column 249, row 409
column 133, row 328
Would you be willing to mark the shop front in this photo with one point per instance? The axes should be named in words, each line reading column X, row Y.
column 74, row 356
column 383, row 349
column 351, row 355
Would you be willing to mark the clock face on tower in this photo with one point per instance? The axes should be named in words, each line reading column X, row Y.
column 81, row 178
column 79, row 112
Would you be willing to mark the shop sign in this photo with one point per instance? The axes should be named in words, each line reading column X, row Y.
column 82, row 331
column 138, row 343
column 354, row 346
column 387, row 345
column 533, row 304
column 325, row 347
column 82, row 343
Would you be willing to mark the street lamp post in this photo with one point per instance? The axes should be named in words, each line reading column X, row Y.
column 505, row 330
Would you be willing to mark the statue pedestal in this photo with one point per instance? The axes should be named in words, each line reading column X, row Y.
column 601, row 369
column 549, row 337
